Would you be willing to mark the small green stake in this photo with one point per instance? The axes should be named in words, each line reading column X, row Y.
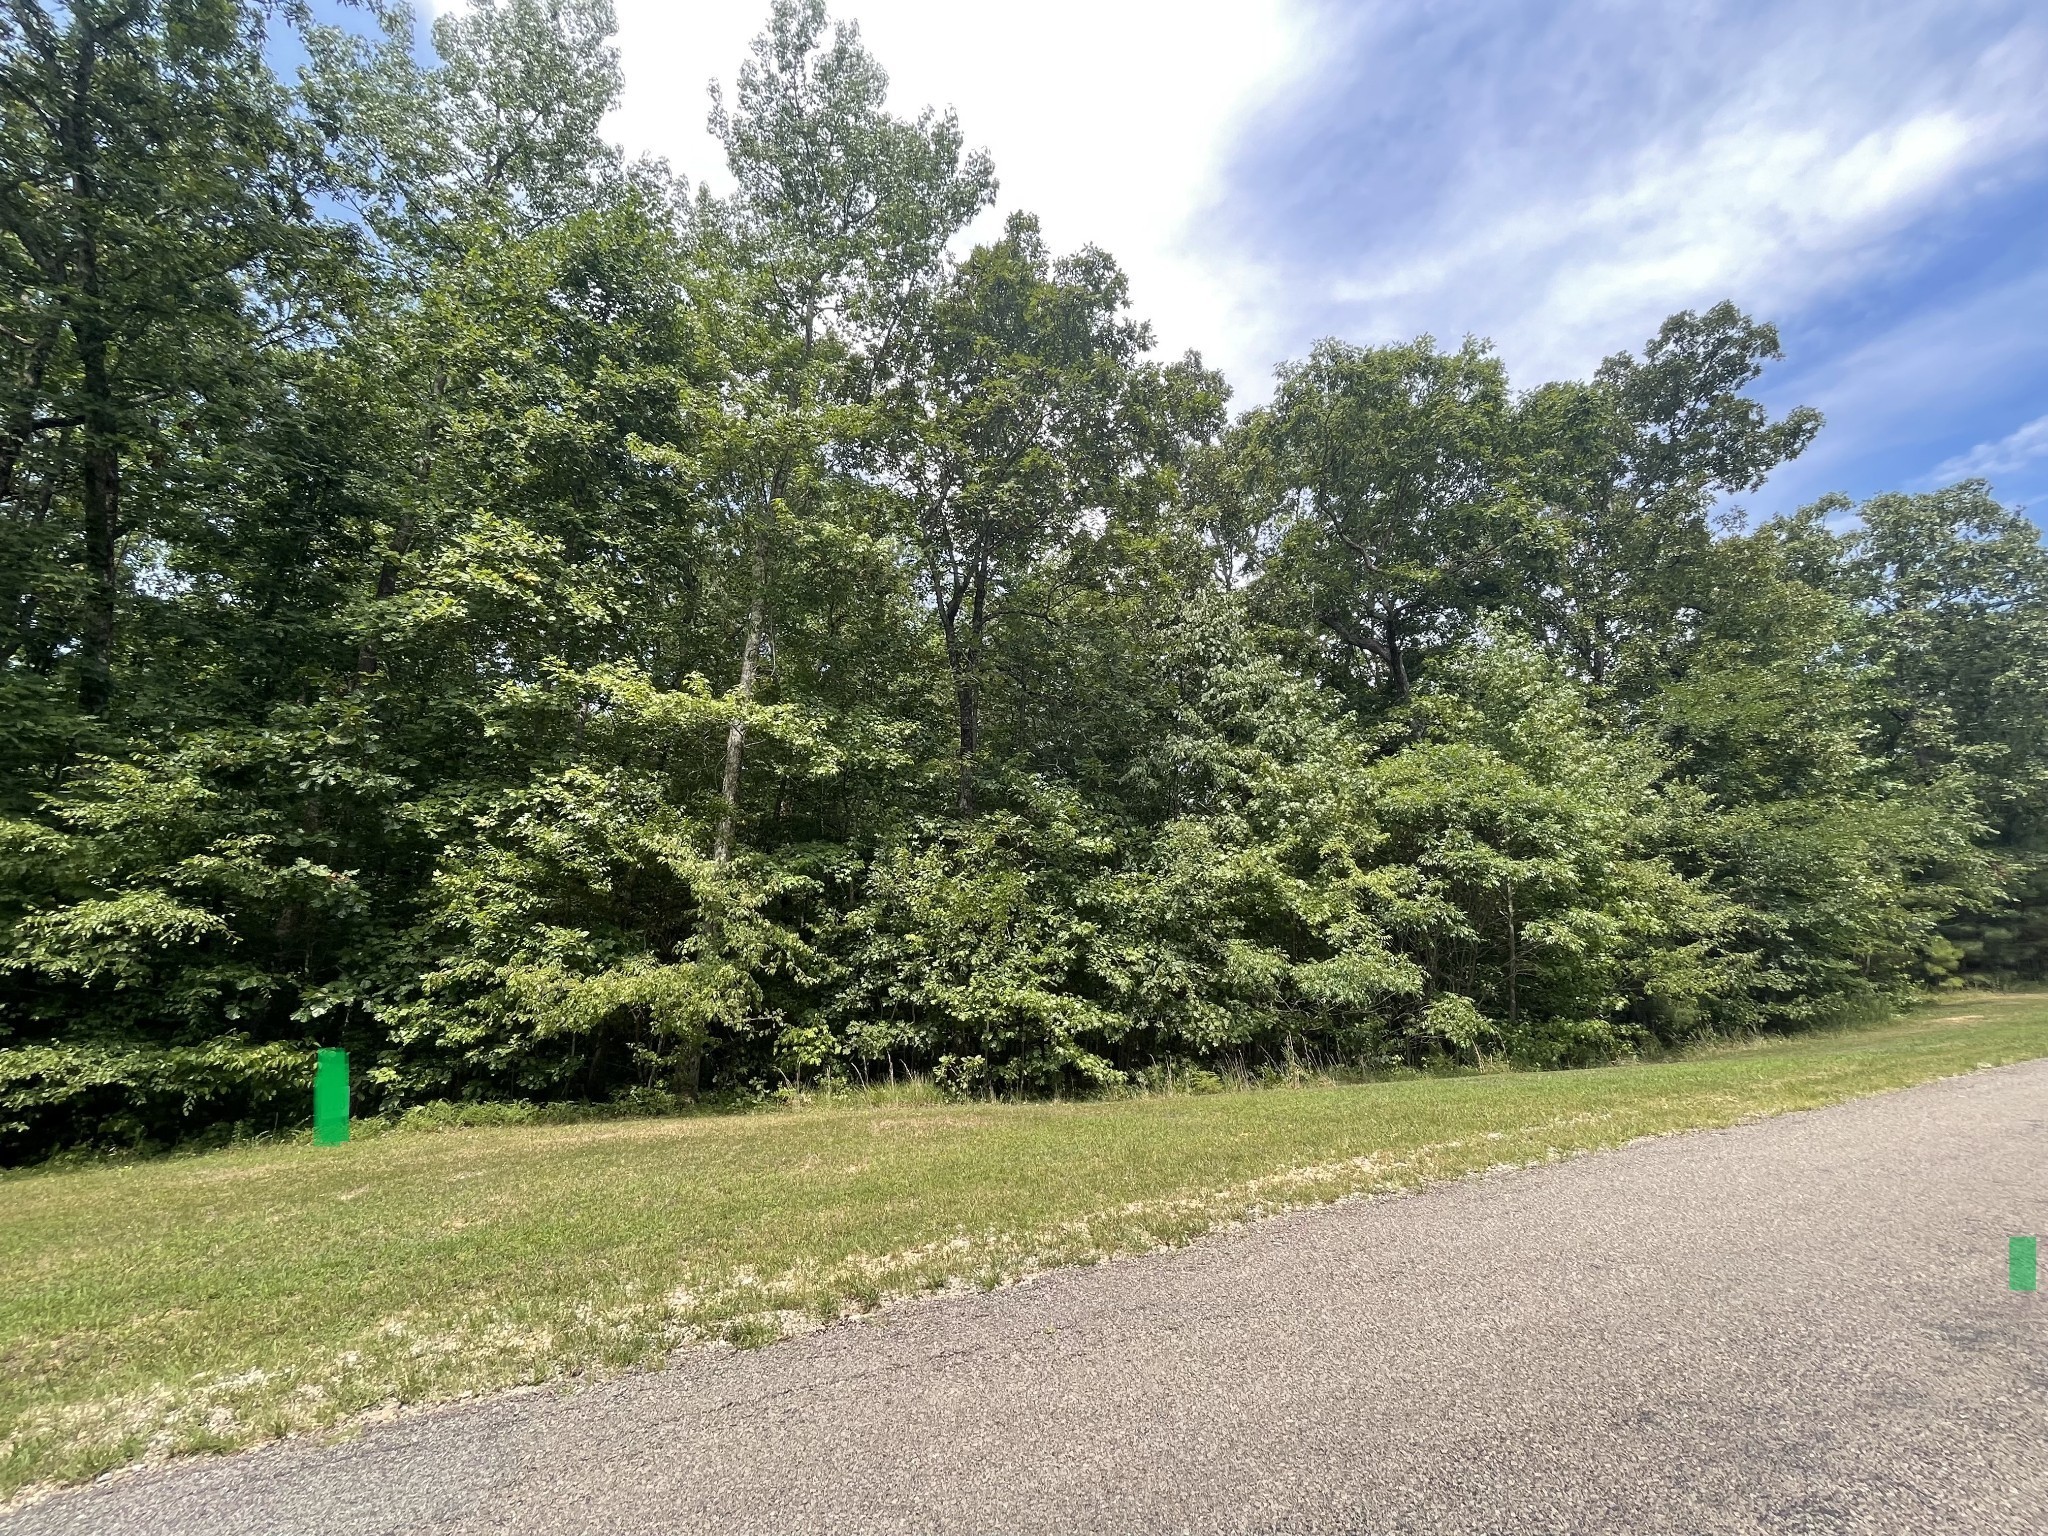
column 2020, row 1263
column 330, row 1099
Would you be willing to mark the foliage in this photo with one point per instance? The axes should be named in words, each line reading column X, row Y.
column 566, row 639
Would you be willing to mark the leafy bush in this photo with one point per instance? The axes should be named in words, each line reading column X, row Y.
column 127, row 1096
column 571, row 643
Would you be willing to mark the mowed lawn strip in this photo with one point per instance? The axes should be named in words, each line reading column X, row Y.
column 208, row 1302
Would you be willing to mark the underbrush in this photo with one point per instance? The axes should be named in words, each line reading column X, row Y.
column 1296, row 1065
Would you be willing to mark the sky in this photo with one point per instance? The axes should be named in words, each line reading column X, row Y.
column 1556, row 175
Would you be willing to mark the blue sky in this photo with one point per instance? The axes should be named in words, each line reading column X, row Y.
column 1872, row 177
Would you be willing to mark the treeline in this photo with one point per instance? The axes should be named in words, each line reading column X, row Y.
column 473, row 600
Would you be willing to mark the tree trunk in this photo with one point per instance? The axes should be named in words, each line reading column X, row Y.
column 387, row 587
column 28, row 388
column 408, row 523
column 689, row 1066
column 950, row 590
column 967, row 686
column 736, row 733
column 102, row 495
column 968, row 696
column 1514, row 965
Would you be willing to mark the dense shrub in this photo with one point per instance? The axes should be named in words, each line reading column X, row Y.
column 575, row 644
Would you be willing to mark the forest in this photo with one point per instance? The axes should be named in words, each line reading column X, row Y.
column 569, row 637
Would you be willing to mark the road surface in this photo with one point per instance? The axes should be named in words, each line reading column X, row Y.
column 1799, row 1325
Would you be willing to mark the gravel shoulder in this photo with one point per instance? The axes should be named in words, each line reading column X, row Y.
column 1795, row 1325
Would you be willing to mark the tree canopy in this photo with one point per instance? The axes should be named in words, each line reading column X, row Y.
column 468, row 598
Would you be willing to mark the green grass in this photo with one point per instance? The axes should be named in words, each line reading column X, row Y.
column 207, row 1302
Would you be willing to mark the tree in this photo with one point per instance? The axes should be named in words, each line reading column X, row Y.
column 1948, row 593
column 1843, row 860
column 1388, row 472
column 1012, row 430
column 160, row 248
column 467, row 601
column 840, row 220
column 503, row 132
column 1625, row 470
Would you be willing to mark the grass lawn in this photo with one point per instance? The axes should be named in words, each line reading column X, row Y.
column 206, row 1302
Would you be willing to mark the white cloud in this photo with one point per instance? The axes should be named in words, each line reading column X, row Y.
column 2017, row 450
column 1772, row 203
column 1680, row 156
column 1108, row 118
column 1724, row 212
column 1561, row 177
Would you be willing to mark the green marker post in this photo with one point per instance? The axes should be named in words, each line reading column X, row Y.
column 2020, row 1264
column 330, row 1099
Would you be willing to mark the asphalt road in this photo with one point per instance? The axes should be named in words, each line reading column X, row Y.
column 1797, row 1325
